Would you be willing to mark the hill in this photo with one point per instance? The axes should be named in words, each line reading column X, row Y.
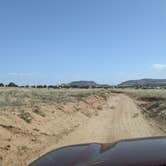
column 144, row 83
column 83, row 84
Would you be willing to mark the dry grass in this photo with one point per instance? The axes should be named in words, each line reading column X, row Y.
column 144, row 94
column 152, row 101
column 12, row 99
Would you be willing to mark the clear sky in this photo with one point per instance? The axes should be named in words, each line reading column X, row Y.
column 108, row 41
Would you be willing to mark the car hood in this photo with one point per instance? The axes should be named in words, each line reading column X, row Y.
column 136, row 152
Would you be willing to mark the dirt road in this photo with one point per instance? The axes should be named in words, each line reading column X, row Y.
column 121, row 119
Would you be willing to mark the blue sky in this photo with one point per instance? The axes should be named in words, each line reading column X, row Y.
column 108, row 41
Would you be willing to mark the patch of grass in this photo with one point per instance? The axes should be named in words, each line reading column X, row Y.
column 20, row 98
column 26, row 116
column 38, row 111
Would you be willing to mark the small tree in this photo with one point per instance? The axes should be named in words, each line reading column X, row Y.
column 11, row 84
column 1, row 85
column 53, row 86
column 44, row 86
column 39, row 86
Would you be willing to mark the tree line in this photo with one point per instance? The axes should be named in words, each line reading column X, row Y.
column 66, row 86
column 12, row 84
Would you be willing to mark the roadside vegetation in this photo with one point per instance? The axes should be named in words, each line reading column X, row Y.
column 16, row 98
column 152, row 101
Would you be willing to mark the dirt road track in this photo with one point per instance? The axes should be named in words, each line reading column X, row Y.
column 121, row 119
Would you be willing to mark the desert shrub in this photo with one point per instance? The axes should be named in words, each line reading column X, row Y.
column 1, row 85
column 26, row 116
column 38, row 111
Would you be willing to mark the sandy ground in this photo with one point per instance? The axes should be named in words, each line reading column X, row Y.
column 118, row 118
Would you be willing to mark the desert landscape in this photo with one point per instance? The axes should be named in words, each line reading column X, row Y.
column 34, row 121
column 82, row 72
